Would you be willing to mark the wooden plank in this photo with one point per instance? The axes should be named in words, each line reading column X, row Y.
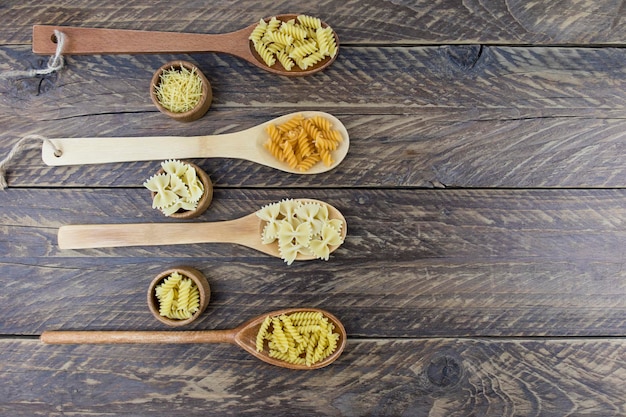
column 536, row 82
column 402, row 223
column 457, row 301
column 386, row 151
column 416, row 117
column 452, row 377
column 446, row 298
column 447, row 263
column 357, row 22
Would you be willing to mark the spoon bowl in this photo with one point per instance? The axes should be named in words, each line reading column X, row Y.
column 246, row 144
column 243, row 336
column 244, row 231
column 95, row 41
column 295, row 71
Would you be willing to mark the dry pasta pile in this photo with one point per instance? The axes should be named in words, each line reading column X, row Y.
column 303, row 142
column 179, row 90
column 302, row 338
column 301, row 41
column 178, row 187
column 178, row 297
column 300, row 227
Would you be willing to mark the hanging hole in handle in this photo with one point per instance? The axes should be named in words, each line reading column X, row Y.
column 58, row 152
column 54, row 39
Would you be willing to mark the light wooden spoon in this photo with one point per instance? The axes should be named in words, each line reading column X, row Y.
column 246, row 144
column 244, row 231
column 94, row 41
column 244, row 336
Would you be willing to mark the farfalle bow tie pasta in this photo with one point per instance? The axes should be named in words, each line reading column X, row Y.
column 178, row 187
column 300, row 227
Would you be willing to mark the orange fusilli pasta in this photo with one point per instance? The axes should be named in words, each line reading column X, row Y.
column 302, row 142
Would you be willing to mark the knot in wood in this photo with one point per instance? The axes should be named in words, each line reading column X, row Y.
column 464, row 56
column 27, row 87
column 444, row 371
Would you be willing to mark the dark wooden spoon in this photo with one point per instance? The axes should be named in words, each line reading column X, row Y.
column 243, row 336
column 95, row 41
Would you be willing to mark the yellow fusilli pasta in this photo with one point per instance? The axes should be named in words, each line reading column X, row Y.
column 285, row 60
column 178, row 296
column 321, row 122
column 310, row 21
column 258, row 32
column 275, row 149
column 301, row 42
column 304, row 317
column 291, row 29
column 262, row 333
column 289, row 340
column 291, row 124
column 273, row 25
column 289, row 155
column 304, row 49
column 267, row 55
column 326, row 41
column 326, row 157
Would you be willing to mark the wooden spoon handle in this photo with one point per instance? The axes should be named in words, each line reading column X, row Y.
column 119, row 337
column 79, row 151
column 114, row 235
column 244, row 230
column 83, row 41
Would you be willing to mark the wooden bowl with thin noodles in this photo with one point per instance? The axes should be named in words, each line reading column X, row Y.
column 200, row 108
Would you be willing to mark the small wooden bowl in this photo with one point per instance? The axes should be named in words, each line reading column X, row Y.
column 205, row 200
column 198, row 278
column 203, row 105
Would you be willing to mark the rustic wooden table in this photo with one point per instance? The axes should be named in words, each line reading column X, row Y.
column 483, row 272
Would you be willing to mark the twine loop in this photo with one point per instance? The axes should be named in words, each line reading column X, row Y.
column 19, row 146
column 55, row 63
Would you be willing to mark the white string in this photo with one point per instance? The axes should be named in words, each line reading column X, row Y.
column 20, row 145
column 55, row 63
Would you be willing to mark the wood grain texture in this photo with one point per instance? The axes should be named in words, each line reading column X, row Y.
column 391, row 151
column 484, row 191
column 415, row 263
column 551, row 117
column 371, row 21
column 535, row 81
column 496, row 298
column 452, row 377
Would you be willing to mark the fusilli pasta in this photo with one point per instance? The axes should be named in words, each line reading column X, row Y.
column 301, row 42
column 302, row 142
column 178, row 296
column 287, row 339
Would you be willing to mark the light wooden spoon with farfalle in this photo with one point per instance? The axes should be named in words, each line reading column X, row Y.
column 246, row 231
